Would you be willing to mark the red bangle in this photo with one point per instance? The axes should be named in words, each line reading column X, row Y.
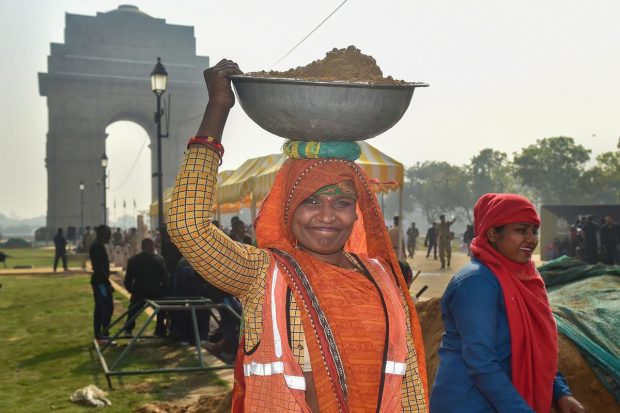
column 209, row 142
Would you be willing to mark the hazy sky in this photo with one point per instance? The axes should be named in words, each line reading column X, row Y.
column 502, row 75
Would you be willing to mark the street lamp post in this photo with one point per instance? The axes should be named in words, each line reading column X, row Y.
column 159, row 80
column 104, row 165
column 81, row 206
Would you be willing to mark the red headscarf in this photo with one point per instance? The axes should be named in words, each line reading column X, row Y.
column 533, row 334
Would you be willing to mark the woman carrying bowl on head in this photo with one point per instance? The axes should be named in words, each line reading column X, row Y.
column 499, row 352
column 329, row 324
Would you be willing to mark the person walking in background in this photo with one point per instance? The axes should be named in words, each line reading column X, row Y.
column 169, row 252
column 117, row 238
column 499, row 352
column 60, row 250
column 395, row 234
column 87, row 239
column 609, row 240
column 100, row 283
column 238, row 232
column 146, row 278
column 188, row 284
column 431, row 240
column 468, row 236
column 444, row 239
column 412, row 239
column 573, row 240
column 590, row 240
column 132, row 241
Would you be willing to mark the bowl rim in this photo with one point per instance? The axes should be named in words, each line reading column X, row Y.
column 338, row 83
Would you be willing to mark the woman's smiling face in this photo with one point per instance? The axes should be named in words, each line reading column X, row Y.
column 515, row 241
column 323, row 223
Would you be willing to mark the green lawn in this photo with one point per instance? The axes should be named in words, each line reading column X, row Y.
column 37, row 258
column 46, row 351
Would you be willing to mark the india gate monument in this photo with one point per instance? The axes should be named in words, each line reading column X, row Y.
column 100, row 75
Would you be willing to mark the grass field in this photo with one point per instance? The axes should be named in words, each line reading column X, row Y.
column 46, row 351
column 38, row 258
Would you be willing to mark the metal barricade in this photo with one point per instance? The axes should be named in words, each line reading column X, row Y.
column 157, row 306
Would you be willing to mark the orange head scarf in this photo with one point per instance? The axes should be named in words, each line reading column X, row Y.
column 533, row 335
column 300, row 178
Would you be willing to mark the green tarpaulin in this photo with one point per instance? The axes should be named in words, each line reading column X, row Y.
column 585, row 300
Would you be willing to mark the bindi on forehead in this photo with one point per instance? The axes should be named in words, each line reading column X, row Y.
column 341, row 189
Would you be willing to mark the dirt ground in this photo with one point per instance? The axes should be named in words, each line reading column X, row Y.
column 205, row 403
column 431, row 274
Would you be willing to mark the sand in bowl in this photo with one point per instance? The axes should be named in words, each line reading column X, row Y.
column 348, row 64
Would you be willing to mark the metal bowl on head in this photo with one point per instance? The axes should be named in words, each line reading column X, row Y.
column 323, row 111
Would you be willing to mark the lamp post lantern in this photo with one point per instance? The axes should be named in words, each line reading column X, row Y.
column 81, row 206
column 104, row 165
column 159, row 81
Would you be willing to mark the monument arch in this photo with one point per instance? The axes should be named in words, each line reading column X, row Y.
column 100, row 75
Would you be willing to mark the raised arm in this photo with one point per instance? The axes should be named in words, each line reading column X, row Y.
column 229, row 265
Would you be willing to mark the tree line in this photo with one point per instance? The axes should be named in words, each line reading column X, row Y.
column 552, row 171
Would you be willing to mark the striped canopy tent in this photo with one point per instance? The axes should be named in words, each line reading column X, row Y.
column 221, row 177
column 385, row 173
column 237, row 190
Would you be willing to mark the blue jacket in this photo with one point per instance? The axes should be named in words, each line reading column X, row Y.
column 474, row 373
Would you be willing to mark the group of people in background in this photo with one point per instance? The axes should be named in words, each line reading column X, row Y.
column 590, row 239
column 158, row 271
column 439, row 236
column 122, row 244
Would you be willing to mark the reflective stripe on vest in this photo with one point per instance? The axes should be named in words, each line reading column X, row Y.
column 277, row 341
column 295, row 382
column 269, row 369
column 275, row 367
column 394, row 367
column 260, row 369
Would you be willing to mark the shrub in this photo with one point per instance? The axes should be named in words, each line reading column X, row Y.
column 16, row 243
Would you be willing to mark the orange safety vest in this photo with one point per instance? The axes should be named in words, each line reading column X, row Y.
column 269, row 378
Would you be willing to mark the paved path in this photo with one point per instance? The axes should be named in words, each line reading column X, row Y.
column 41, row 271
column 433, row 276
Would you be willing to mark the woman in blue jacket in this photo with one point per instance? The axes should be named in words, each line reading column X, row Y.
column 499, row 351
